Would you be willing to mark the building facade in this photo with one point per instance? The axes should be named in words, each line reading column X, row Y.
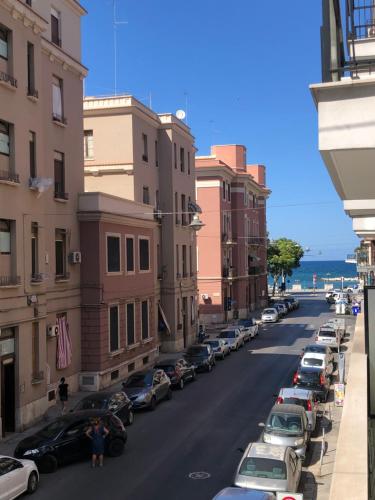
column 232, row 253
column 133, row 153
column 40, row 177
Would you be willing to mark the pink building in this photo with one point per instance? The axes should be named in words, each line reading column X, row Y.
column 232, row 273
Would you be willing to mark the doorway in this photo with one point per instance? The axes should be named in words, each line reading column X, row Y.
column 8, row 403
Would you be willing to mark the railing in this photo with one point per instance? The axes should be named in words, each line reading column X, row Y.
column 31, row 92
column 4, row 77
column 61, row 196
column 5, row 175
column 10, row 281
column 229, row 272
column 59, row 119
column 36, row 278
column 360, row 19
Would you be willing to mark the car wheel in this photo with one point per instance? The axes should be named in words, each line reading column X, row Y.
column 181, row 384
column 169, row 394
column 32, row 483
column 130, row 418
column 48, row 464
column 153, row 403
column 116, row 447
column 193, row 376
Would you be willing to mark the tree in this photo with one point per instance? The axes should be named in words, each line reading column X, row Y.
column 283, row 255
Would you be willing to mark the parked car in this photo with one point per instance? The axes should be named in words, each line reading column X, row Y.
column 270, row 315
column 301, row 397
column 287, row 425
column 17, row 477
column 219, row 346
column 323, row 349
column 269, row 467
column 64, row 440
column 146, row 389
column 201, row 356
column 327, row 335
column 244, row 332
column 251, row 325
column 314, row 380
column 178, row 370
column 243, row 494
column 281, row 309
column 294, row 301
column 115, row 401
column 233, row 337
column 319, row 361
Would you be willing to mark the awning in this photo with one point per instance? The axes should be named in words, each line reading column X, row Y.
column 164, row 318
column 194, row 207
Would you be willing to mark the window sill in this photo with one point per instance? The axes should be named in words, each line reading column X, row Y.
column 114, row 273
column 36, row 381
column 144, row 271
column 9, row 182
column 36, row 283
column 113, row 354
column 133, row 346
column 10, row 286
column 60, row 200
column 8, row 85
column 62, row 279
column 59, row 123
column 89, row 159
column 147, row 341
column 32, row 98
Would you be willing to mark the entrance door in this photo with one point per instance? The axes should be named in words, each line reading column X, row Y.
column 8, row 395
column 184, row 319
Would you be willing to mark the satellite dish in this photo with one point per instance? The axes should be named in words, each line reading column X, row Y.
column 180, row 113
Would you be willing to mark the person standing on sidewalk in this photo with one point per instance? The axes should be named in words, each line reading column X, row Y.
column 63, row 394
column 97, row 433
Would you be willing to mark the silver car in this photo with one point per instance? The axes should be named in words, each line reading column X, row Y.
column 287, row 425
column 269, row 467
column 270, row 315
column 327, row 335
column 233, row 338
column 219, row 347
column 301, row 397
column 243, row 494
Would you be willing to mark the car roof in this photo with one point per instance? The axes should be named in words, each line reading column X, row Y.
column 78, row 415
column 267, row 308
column 316, row 346
column 317, row 355
column 243, row 494
column 287, row 409
column 295, row 392
column 169, row 361
column 264, row 450
column 101, row 395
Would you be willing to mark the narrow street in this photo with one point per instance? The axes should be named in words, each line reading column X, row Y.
column 201, row 428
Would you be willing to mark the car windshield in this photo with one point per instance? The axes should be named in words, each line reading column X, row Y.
column 213, row 343
column 53, row 429
column 312, row 361
column 229, row 334
column 92, row 404
column 295, row 401
column 315, row 348
column 197, row 351
column 269, row 311
column 139, row 380
column 284, row 422
column 327, row 333
column 263, row 467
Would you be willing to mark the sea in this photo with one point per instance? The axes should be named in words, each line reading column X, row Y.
column 303, row 275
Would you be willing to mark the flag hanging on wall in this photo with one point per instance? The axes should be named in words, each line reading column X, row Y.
column 64, row 344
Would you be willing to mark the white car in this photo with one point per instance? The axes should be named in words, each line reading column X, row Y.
column 317, row 360
column 17, row 477
column 251, row 326
column 233, row 338
column 270, row 315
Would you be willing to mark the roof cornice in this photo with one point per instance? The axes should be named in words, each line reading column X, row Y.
column 22, row 12
column 68, row 62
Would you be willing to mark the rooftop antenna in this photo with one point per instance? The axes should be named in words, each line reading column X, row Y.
column 115, row 24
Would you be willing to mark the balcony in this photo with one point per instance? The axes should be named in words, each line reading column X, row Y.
column 7, row 177
column 9, row 281
column 8, row 80
column 59, row 120
column 36, row 278
column 229, row 272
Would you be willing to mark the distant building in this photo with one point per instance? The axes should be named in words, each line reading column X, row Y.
column 40, row 178
column 232, row 274
column 134, row 153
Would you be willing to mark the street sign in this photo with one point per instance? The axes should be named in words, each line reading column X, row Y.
column 339, row 394
column 289, row 496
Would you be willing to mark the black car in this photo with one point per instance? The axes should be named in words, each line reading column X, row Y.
column 201, row 356
column 313, row 379
column 145, row 389
column 178, row 370
column 64, row 440
column 116, row 402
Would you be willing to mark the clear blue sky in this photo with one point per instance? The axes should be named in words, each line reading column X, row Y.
column 245, row 66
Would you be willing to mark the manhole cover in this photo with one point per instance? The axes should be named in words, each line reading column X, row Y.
column 199, row 475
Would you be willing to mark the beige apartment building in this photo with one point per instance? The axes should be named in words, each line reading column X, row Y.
column 134, row 153
column 40, row 177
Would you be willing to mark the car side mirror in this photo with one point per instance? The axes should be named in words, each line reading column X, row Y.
column 261, row 424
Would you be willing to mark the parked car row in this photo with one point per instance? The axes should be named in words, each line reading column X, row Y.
column 278, row 309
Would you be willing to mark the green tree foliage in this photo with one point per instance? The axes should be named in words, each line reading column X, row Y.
column 283, row 255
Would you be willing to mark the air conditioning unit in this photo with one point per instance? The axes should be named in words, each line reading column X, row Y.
column 52, row 330
column 75, row 257
column 371, row 32
column 205, row 296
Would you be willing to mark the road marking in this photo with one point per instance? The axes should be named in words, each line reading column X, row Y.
column 199, row 475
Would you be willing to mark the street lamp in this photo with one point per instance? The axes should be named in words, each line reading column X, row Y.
column 196, row 224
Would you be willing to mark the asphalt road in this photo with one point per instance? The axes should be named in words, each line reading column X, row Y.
column 201, row 428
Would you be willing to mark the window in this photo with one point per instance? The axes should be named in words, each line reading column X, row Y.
column 158, row 262
column 183, row 209
column 146, row 195
column 4, row 138
column 175, row 154
column 145, row 319
column 57, row 99
column 190, row 214
column 156, row 154
column 130, row 324
column 145, row 148
column 59, row 169
column 32, row 153
column 191, row 260
column 144, row 254
column 88, row 144
column 184, row 263
column 113, row 253
column 34, row 250
column 188, row 161
column 35, row 350
column 229, row 193
column 224, row 190
column 157, row 201
column 182, row 159
column 30, row 70
column 114, row 334
column 60, row 252
column 4, row 43
column 5, row 240
column 177, row 262
column 129, row 254
column 192, row 310
column 177, row 220
column 55, row 27
column 178, row 314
